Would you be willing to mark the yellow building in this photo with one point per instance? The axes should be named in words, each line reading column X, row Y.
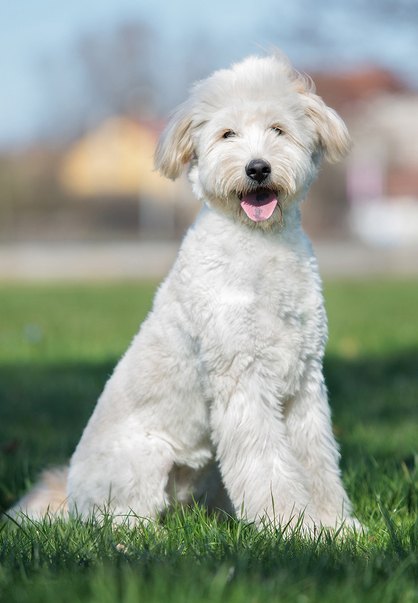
column 116, row 161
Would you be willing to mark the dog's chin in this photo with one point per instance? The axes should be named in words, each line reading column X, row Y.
column 260, row 208
column 274, row 223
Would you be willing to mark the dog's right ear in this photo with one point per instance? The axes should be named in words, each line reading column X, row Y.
column 331, row 130
column 175, row 148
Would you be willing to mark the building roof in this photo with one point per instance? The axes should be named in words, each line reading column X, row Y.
column 342, row 90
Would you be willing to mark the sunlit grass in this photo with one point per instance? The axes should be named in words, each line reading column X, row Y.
column 58, row 344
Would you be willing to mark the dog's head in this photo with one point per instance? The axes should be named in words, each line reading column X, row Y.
column 254, row 136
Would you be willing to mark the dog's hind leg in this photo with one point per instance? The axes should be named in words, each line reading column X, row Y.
column 126, row 477
column 150, row 418
column 308, row 422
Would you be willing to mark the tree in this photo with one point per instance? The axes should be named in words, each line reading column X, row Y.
column 117, row 70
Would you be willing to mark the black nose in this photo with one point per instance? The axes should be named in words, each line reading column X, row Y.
column 258, row 169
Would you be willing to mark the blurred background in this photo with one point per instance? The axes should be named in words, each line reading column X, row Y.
column 86, row 87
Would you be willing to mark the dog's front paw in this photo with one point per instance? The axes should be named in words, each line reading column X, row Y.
column 354, row 525
column 300, row 524
column 345, row 526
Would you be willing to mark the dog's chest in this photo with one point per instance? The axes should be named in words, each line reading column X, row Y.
column 256, row 296
column 269, row 292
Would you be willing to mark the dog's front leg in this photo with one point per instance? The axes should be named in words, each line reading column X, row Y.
column 263, row 477
column 308, row 422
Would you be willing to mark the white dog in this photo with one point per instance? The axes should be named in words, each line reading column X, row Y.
column 223, row 384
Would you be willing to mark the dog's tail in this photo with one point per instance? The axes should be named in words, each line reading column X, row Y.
column 47, row 497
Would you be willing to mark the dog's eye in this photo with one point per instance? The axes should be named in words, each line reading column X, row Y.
column 228, row 134
column 278, row 130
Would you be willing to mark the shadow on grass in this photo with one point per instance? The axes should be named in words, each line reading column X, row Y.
column 43, row 410
column 386, row 383
column 374, row 402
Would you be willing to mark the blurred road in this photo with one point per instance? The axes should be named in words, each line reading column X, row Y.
column 152, row 260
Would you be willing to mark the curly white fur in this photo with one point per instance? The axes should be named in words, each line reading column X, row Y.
column 224, row 379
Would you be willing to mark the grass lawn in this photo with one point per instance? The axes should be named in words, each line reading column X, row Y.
column 59, row 343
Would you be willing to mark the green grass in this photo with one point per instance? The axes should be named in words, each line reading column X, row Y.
column 58, row 344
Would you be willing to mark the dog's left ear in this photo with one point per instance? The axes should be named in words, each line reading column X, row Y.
column 175, row 148
column 332, row 132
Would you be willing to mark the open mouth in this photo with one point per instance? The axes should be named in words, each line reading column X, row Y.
column 260, row 204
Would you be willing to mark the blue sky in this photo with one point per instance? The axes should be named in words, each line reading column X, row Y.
column 35, row 33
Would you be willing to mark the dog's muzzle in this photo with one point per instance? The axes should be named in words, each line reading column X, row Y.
column 259, row 204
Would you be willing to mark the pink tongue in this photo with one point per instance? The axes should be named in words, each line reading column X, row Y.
column 259, row 206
